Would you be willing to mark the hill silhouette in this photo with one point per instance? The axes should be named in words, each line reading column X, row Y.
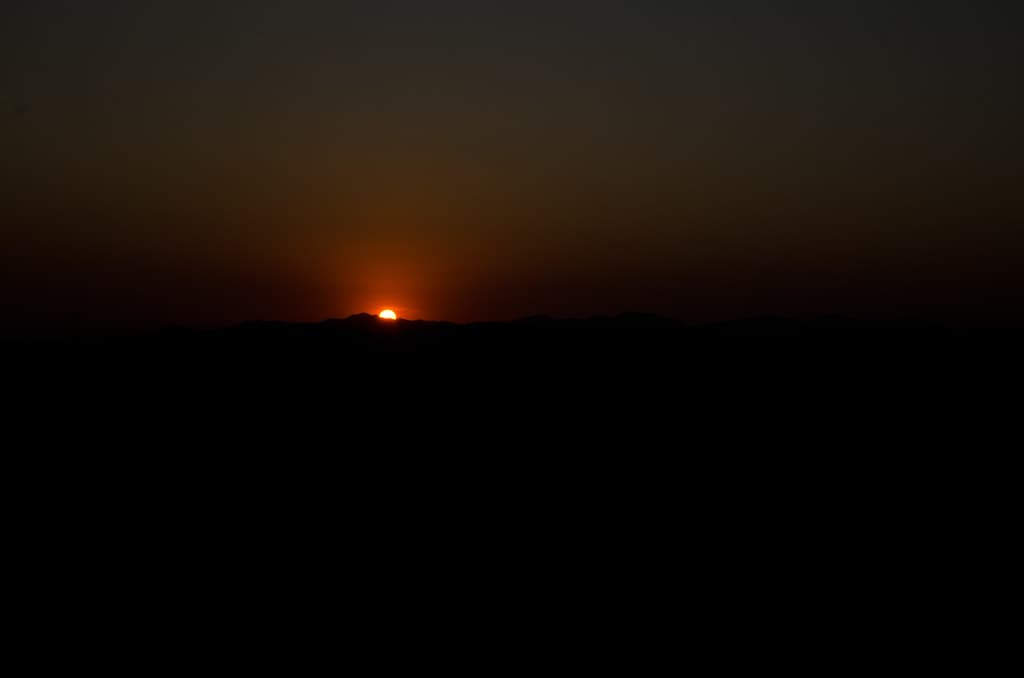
column 768, row 455
column 557, row 396
column 419, row 367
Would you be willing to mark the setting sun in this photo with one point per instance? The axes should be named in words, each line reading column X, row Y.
column 388, row 314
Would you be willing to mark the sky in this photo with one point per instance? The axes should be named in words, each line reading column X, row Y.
column 212, row 162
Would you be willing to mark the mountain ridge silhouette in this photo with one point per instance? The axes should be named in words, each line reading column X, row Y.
column 753, row 326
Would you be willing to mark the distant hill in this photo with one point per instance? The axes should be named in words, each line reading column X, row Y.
column 640, row 422
column 594, row 371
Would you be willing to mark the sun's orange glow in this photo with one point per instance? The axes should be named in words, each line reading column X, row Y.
column 388, row 314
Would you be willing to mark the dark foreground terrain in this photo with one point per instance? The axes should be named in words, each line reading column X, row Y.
column 621, row 491
column 634, row 382
column 636, row 407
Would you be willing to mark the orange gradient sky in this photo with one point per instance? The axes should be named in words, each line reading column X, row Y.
column 208, row 163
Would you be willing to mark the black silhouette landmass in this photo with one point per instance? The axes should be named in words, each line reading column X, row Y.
column 768, row 464
column 762, row 404
column 594, row 372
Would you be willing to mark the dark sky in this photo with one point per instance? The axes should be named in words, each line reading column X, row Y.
column 214, row 161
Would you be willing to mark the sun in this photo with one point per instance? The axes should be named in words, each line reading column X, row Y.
column 388, row 314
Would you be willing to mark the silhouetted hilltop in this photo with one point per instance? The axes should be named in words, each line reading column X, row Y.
column 369, row 330
column 617, row 336
column 634, row 411
column 593, row 365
